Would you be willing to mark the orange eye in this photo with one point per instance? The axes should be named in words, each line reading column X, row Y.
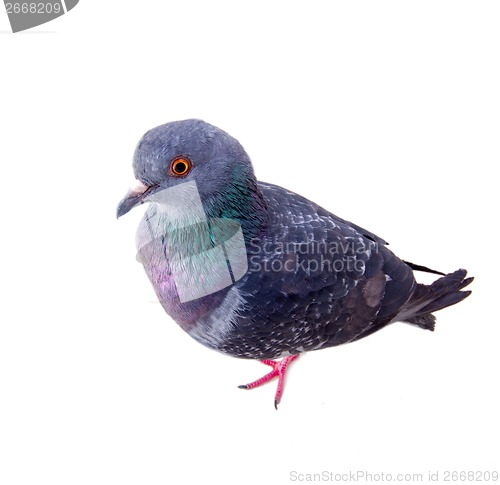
column 180, row 166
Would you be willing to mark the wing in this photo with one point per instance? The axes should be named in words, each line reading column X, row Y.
column 314, row 281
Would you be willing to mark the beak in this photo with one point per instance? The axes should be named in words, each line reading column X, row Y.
column 135, row 196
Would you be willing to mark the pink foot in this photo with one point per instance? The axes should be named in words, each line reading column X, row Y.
column 279, row 369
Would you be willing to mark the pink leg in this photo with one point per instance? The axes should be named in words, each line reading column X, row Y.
column 279, row 370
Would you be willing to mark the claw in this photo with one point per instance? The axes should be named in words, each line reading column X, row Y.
column 279, row 370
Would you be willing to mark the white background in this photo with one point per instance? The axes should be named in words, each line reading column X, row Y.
column 386, row 113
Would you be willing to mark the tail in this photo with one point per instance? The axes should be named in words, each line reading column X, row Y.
column 426, row 299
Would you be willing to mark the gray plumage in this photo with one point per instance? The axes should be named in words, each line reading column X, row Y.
column 314, row 280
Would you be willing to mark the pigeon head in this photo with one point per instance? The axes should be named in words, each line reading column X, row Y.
column 194, row 151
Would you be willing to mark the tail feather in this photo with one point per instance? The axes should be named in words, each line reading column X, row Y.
column 445, row 301
column 426, row 321
column 425, row 269
column 430, row 298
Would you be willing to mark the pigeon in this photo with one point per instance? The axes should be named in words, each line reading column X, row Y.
column 256, row 271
